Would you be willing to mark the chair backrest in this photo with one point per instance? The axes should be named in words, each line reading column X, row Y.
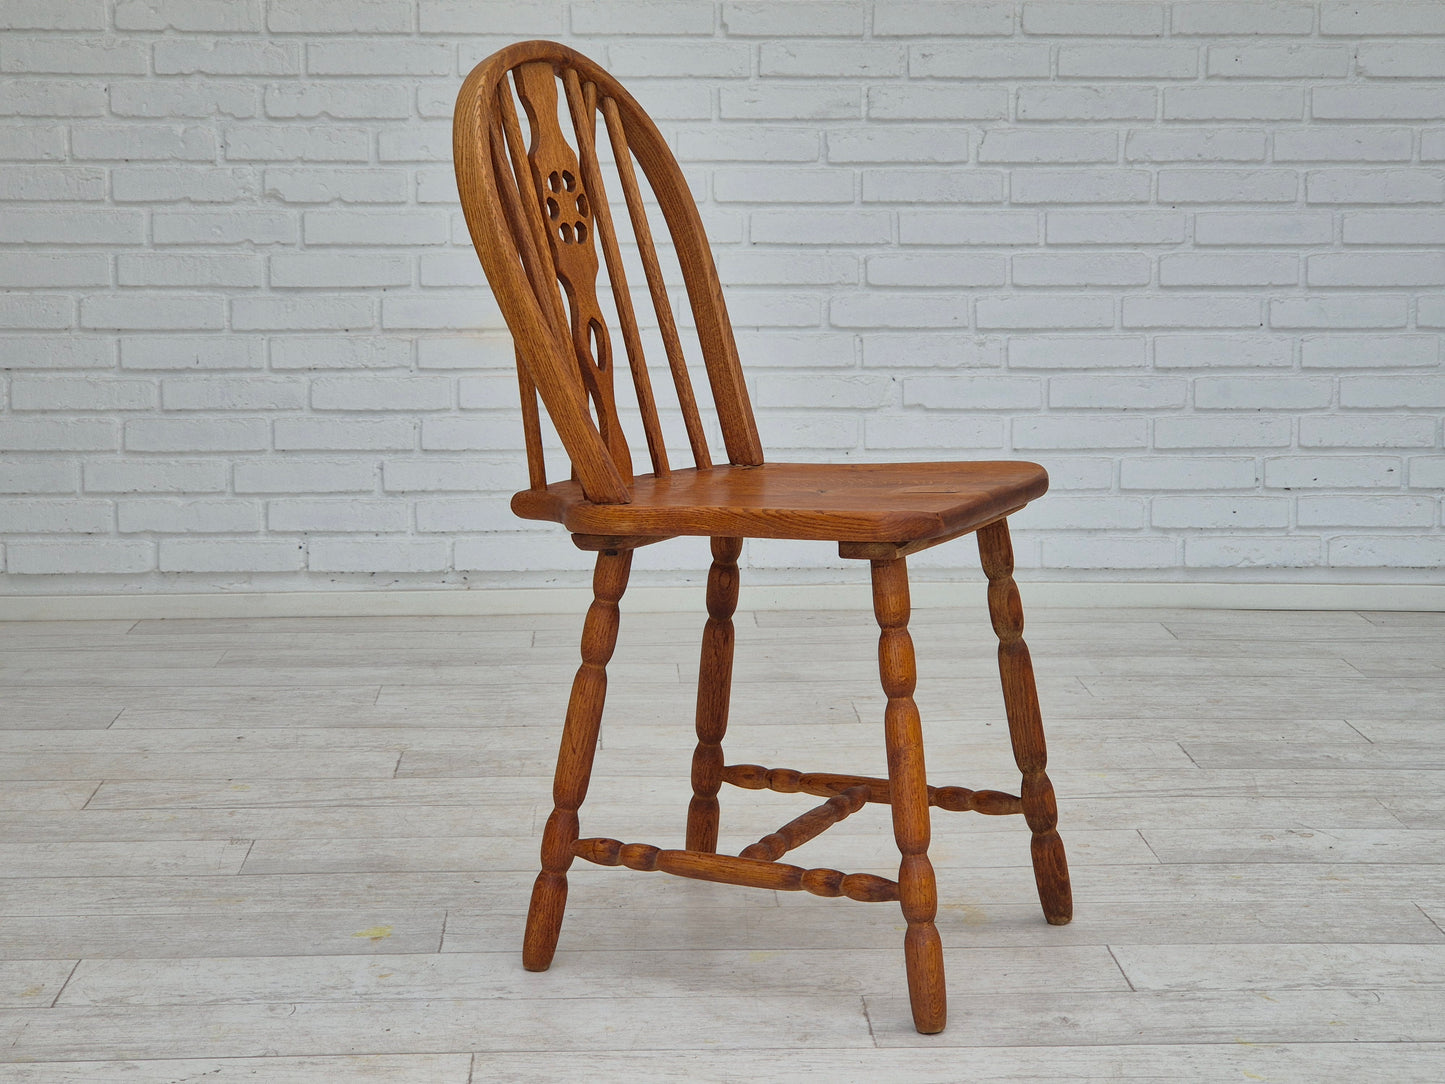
column 538, row 214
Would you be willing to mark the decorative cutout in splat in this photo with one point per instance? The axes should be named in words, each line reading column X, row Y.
column 567, row 219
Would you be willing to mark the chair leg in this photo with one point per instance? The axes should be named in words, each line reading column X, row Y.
column 714, row 686
column 1026, row 729
column 574, row 759
column 908, row 792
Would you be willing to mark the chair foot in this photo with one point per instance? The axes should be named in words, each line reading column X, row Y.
column 574, row 760
column 1026, row 728
column 544, row 920
column 714, row 684
column 903, row 732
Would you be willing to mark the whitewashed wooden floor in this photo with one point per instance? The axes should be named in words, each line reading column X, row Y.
column 297, row 851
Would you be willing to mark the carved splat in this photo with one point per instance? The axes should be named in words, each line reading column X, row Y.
column 567, row 218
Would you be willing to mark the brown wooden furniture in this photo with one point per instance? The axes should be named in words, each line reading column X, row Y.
column 537, row 208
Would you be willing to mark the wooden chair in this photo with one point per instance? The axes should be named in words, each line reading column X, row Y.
column 538, row 213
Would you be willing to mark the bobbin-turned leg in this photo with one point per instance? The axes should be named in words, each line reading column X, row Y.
column 1025, row 726
column 574, row 759
column 908, row 791
column 714, row 686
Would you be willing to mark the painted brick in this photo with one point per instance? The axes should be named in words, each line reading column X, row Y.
column 973, row 392
column 1024, row 145
column 1103, row 269
column 340, row 352
column 1258, row 393
column 1080, row 186
column 54, row 557
column 1427, row 472
column 1376, row 269
column 1228, row 186
column 788, row 185
column 26, row 312
column 381, row 393
column 1368, row 431
column 1222, row 431
column 1114, row 227
column 1390, row 551
column 1263, row 228
column 344, row 434
column 59, row 435
column 51, row 98
column 186, row 517
column 1394, row 228
column 74, row 56
column 1375, row 186
column 339, row 16
column 1247, row 552
column 897, row 432
column 1092, row 103
column 968, row 227
column 232, row 555
column 311, row 312
column 52, row 475
column 1412, row 392
column 1127, row 19
column 949, row 102
column 936, row 269
column 280, row 474
column 375, row 228
column 1117, row 393
column 189, row 269
column 1356, row 102
column 153, row 475
column 18, row 183
column 1372, row 351
column 378, row 555
column 1278, row 61
column 196, row 434
column 188, row 15
column 912, row 145
column 1090, row 432
column 822, row 390
column 232, row 393
column 1343, row 144
column 845, row 60
column 778, row 18
column 1046, row 312
column 1195, row 145
column 55, row 352
column 201, row 352
column 1220, row 269
column 334, row 516
column 52, row 516
column 31, row 269
column 1189, row 472
column 225, row 56
column 330, row 271
column 978, row 60
column 821, row 228
column 774, row 102
column 1219, row 513
column 1222, row 351
column 1332, row 472
column 1077, row 352
column 1338, row 311
column 338, row 185
column 1257, row 102
column 756, row 144
column 178, row 312
column 1231, row 17
column 1381, row 18
column 461, row 514
column 534, row 17
column 380, row 58
column 1110, row 553
column 1162, row 61
column 45, row 227
column 156, row 184
column 48, row 15
column 54, row 393
column 983, row 18
column 40, row 142
column 274, row 143
column 894, row 350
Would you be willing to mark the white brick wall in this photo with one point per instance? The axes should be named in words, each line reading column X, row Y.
column 1186, row 254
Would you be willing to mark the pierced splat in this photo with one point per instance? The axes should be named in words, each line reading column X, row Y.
column 568, row 222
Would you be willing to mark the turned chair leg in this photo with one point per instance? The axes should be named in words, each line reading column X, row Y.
column 908, row 792
column 1026, row 729
column 714, row 686
column 574, row 759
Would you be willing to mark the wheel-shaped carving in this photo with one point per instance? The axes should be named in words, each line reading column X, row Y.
column 567, row 207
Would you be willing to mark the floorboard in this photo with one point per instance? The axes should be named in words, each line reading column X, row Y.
column 299, row 850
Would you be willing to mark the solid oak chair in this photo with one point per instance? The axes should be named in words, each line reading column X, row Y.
column 538, row 213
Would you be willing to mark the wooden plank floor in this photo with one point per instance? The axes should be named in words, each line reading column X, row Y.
column 300, row 850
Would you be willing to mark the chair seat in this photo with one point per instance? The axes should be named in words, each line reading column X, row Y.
column 844, row 502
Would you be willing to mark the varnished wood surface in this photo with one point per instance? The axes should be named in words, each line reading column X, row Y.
column 863, row 502
column 1274, row 918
